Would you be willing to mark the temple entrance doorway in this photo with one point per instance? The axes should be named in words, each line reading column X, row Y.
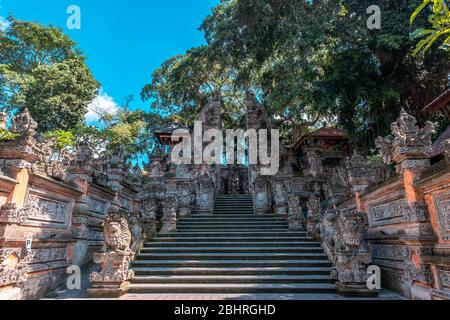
column 234, row 180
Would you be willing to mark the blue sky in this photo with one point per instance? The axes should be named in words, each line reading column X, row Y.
column 124, row 40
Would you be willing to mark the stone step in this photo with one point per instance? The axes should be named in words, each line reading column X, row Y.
column 184, row 230
column 231, row 263
column 230, row 256
column 237, row 216
column 233, row 288
column 232, row 225
column 234, row 279
column 190, row 271
column 247, row 234
column 249, row 250
column 230, row 244
column 213, row 219
column 232, row 239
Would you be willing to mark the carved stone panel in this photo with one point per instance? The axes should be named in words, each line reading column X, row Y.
column 442, row 203
column 46, row 211
column 444, row 276
column 385, row 252
column 389, row 212
column 97, row 206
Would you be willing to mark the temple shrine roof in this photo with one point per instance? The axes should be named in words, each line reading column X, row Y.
column 441, row 103
column 325, row 133
column 438, row 146
column 164, row 133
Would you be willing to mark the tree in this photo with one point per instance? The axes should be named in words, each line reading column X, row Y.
column 41, row 69
column 185, row 83
column 312, row 58
column 440, row 25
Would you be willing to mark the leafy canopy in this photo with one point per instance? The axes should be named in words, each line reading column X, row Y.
column 440, row 25
column 41, row 69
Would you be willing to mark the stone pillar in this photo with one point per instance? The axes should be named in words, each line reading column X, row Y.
column 17, row 156
column 80, row 174
column 409, row 149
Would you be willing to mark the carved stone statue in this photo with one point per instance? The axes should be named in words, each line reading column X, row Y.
column 117, row 233
column 352, row 253
column 136, row 230
column 185, row 199
column 169, row 219
column 279, row 197
column 149, row 216
column 295, row 215
column 313, row 205
column 327, row 228
column 113, row 275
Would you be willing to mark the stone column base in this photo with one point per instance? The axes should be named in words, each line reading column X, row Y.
column 110, row 290
column 357, row 289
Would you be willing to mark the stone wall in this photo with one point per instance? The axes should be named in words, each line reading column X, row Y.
column 53, row 209
column 407, row 215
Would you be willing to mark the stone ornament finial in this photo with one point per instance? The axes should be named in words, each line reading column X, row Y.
column 409, row 146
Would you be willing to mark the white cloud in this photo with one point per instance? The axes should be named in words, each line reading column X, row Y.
column 102, row 104
column 3, row 23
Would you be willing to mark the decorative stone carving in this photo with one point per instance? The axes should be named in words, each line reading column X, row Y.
column 149, row 216
column 169, row 219
column 279, row 197
column 352, row 251
column 315, row 166
column 409, row 146
column 313, row 205
column 136, row 230
column 205, row 194
column 337, row 187
column 327, row 229
column 185, row 198
column 343, row 235
column 112, row 279
column 117, row 233
column 360, row 173
column 13, row 267
column 295, row 214
column 115, row 170
column 447, row 150
column 10, row 214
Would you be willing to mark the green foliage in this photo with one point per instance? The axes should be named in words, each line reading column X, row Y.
column 42, row 70
column 63, row 139
column 6, row 135
column 311, row 61
column 440, row 25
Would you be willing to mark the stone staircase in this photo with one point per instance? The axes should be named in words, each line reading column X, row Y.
column 232, row 251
